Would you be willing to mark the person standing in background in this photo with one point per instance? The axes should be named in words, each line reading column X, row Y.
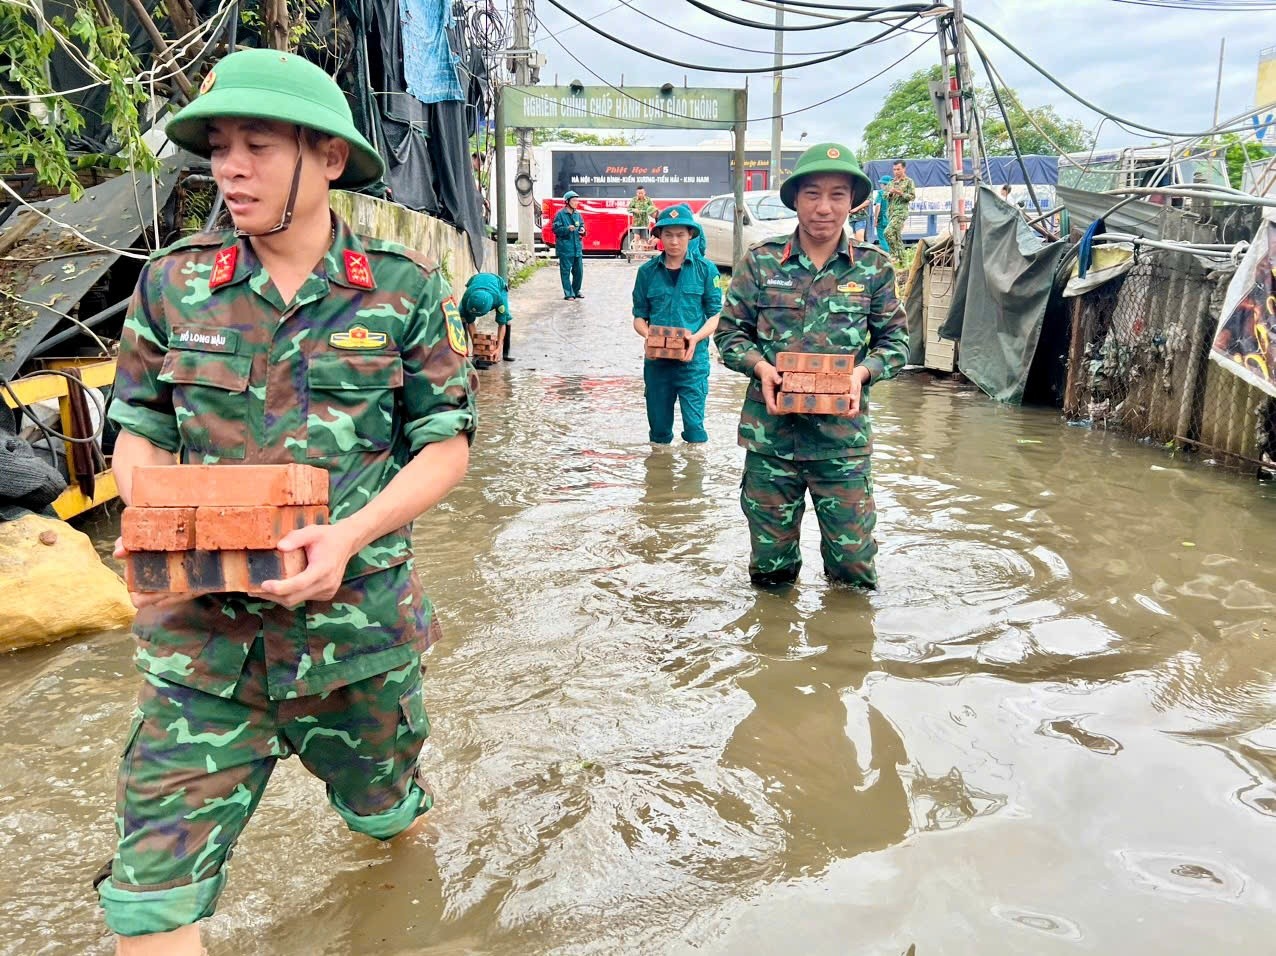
column 900, row 191
column 569, row 233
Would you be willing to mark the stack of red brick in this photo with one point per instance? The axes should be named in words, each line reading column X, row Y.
column 814, row 384
column 204, row 528
column 666, row 342
column 486, row 346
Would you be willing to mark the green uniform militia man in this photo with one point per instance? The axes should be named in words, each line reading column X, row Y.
column 288, row 339
column 899, row 192
column 812, row 291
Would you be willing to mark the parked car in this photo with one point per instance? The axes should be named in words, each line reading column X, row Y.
column 765, row 216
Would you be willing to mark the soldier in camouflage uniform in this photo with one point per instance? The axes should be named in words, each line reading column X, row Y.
column 899, row 192
column 289, row 339
column 812, row 291
column 641, row 212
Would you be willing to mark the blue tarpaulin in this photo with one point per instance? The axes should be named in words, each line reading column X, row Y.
column 995, row 170
column 429, row 67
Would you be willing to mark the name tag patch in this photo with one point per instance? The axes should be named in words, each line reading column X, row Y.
column 358, row 338
column 206, row 340
column 780, row 283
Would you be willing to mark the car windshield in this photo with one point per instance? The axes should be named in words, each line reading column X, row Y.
column 769, row 208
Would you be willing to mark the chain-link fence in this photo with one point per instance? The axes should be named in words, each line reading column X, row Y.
column 1140, row 362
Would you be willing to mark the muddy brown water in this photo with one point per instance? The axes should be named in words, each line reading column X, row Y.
column 1051, row 731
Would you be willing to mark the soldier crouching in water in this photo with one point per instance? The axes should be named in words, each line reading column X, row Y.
column 812, row 292
column 290, row 339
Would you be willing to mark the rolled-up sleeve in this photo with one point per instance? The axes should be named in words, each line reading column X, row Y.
column 140, row 403
column 439, row 383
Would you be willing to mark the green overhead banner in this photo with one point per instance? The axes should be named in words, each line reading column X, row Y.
column 634, row 107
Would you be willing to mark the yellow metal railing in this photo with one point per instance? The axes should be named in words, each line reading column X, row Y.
column 42, row 387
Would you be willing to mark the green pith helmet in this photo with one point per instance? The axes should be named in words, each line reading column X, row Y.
column 826, row 158
column 273, row 85
column 679, row 215
column 477, row 302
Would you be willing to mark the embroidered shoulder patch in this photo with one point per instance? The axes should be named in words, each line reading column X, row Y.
column 223, row 267
column 357, row 338
column 455, row 327
column 358, row 272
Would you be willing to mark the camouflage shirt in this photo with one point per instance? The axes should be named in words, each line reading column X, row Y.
column 897, row 205
column 641, row 210
column 779, row 302
column 364, row 368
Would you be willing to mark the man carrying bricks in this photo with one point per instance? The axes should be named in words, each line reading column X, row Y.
column 814, row 293
column 678, row 292
column 488, row 292
column 289, row 340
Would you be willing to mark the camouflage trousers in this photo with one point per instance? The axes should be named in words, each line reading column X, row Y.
column 895, row 237
column 196, row 765
column 773, row 496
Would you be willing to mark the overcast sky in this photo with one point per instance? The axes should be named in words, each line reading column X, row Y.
column 1155, row 66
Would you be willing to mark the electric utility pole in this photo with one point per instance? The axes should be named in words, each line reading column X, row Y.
column 523, row 77
column 958, row 116
column 777, row 101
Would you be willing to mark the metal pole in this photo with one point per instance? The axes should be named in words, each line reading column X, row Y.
column 502, row 227
column 1218, row 86
column 967, row 84
column 740, row 130
column 777, row 100
column 953, row 144
column 523, row 77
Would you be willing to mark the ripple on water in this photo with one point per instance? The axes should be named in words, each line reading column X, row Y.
column 1051, row 925
column 956, row 594
column 1168, row 872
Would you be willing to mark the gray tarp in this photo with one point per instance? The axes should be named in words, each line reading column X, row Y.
column 999, row 303
column 111, row 213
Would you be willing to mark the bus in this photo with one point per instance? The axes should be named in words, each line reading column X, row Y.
column 607, row 177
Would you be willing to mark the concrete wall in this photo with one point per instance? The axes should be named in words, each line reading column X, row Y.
column 449, row 246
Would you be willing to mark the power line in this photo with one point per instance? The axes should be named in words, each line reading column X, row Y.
column 1221, row 6
column 1098, row 109
column 871, row 13
column 724, row 69
column 750, row 120
column 694, row 36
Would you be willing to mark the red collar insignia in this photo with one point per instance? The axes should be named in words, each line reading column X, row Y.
column 358, row 272
column 223, row 267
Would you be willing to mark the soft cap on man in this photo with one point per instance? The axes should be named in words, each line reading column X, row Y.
column 273, row 85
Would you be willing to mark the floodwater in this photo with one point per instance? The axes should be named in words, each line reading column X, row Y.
column 1052, row 731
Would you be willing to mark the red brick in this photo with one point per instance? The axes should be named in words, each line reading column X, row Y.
column 799, row 382
column 178, row 486
column 257, row 528
column 206, row 572
column 666, row 331
column 666, row 353
column 814, row 362
column 158, row 529
column 832, row 383
column 832, row 404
